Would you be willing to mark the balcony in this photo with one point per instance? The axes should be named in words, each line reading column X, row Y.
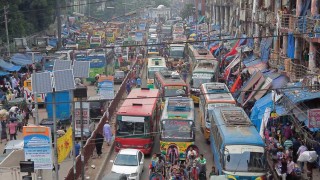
column 306, row 26
column 246, row 15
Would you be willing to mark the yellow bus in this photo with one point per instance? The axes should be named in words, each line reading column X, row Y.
column 155, row 64
column 177, row 126
column 212, row 95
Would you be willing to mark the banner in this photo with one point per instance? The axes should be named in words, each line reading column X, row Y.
column 64, row 145
column 38, row 146
column 139, row 36
column 106, row 88
column 314, row 118
column 85, row 117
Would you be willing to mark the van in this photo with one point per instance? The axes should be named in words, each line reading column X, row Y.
column 13, row 145
column 119, row 77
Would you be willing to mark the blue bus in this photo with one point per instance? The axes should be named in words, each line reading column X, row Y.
column 238, row 149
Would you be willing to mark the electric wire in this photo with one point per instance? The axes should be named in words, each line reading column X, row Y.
column 167, row 43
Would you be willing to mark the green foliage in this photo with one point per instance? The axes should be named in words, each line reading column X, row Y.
column 27, row 17
column 186, row 11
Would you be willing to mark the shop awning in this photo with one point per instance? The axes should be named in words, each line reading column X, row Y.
column 25, row 59
column 3, row 73
column 201, row 19
column 8, row 66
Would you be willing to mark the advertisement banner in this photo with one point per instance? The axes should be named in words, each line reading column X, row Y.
column 139, row 36
column 85, row 116
column 314, row 118
column 38, row 146
column 106, row 88
column 64, row 145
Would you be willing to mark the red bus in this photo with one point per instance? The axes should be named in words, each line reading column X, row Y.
column 137, row 119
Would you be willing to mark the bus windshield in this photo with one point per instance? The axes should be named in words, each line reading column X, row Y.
column 175, row 91
column 153, row 70
column 133, row 125
column 177, row 129
column 198, row 79
column 246, row 161
column 178, row 53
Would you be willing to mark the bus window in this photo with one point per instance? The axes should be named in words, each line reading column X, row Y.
column 132, row 126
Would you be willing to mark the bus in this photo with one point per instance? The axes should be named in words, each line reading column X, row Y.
column 237, row 147
column 97, row 65
column 212, row 95
column 204, row 72
column 176, row 54
column 153, row 51
column 110, row 36
column 170, row 84
column 83, row 41
column 137, row 120
column 154, row 64
column 95, row 41
column 177, row 126
column 196, row 53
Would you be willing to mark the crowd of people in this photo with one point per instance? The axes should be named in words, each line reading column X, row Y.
column 194, row 166
column 286, row 149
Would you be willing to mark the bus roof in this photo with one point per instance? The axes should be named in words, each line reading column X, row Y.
column 217, row 93
column 140, row 102
column 201, row 53
column 176, row 45
column 235, row 126
column 156, row 62
column 206, row 66
column 178, row 108
column 167, row 78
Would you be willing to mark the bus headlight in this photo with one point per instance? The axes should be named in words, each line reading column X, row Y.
column 118, row 145
column 146, row 146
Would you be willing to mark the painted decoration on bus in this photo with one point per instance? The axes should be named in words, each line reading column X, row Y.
column 182, row 147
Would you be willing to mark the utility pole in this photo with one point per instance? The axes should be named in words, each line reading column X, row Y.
column 220, row 20
column 82, row 141
column 5, row 8
column 59, row 23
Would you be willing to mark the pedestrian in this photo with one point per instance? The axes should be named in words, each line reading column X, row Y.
column 4, row 131
column 99, row 143
column 138, row 82
column 12, row 130
column 77, row 148
column 128, row 87
column 20, row 121
column 213, row 172
column 107, row 132
column 302, row 149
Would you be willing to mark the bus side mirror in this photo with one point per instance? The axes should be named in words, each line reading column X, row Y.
column 228, row 158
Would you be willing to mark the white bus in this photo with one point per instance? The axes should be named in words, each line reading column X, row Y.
column 155, row 64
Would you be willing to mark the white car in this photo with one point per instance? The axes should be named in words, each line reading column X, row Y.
column 129, row 162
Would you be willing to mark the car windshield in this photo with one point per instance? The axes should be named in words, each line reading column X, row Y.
column 244, row 162
column 177, row 129
column 126, row 160
column 132, row 125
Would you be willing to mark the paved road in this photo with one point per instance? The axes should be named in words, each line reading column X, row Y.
column 200, row 142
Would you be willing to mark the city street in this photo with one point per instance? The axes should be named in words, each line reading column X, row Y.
column 67, row 163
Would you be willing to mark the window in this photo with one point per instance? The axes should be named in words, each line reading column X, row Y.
column 133, row 125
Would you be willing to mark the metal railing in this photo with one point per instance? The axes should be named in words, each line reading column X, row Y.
column 89, row 147
column 300, row 24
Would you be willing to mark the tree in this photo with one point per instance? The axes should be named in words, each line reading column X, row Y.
column 186, row 11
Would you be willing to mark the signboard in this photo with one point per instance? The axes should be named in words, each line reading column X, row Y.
column 139, row 36
column 85, row 116
column 38, row 146
column 106, row 88
column 190, row 19
column 314, row 118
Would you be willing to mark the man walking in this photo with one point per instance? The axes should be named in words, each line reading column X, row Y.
column 107, row 132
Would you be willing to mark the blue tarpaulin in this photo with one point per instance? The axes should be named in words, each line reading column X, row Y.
column 25, row 59
column 297, row 94
column 250, row 42
column 3, row 73
column 265, row 48
column 8, row 66
column 290, row 50
column 260, row 107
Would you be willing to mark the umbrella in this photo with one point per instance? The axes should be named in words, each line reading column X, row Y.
column 193, row 35
column 13, row 109
column 308, row 156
